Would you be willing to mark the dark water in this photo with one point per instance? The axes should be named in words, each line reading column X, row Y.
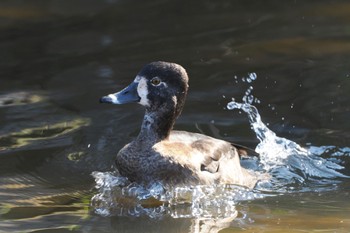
column 58, row 57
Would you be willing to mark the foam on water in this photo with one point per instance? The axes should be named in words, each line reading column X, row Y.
column 117, row 196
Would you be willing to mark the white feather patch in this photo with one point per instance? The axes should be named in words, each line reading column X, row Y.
column 142, row 90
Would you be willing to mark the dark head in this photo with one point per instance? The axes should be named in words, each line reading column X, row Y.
column 160, row 86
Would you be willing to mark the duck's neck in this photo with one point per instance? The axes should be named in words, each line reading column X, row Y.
column 156, row 125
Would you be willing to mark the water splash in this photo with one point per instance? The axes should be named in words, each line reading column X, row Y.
column 117, row 196
column 248, row 96
column 293, row 168
column 275, row 151
column 280, row 152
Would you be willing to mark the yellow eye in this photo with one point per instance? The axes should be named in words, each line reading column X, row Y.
column 155, row 81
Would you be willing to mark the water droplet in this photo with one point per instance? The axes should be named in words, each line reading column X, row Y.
column 252, row 76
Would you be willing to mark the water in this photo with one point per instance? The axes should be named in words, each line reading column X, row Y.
column 59, row 57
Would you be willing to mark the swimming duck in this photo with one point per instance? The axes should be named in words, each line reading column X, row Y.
column 172, row 157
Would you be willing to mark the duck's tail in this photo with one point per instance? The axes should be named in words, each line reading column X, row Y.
column 244, row 151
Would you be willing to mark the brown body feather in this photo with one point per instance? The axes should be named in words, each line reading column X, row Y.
column 184, row 158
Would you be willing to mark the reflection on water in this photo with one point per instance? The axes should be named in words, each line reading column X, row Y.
column 30, row 136
column 58, row 57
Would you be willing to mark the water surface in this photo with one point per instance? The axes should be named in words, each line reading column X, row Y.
column 59, row 57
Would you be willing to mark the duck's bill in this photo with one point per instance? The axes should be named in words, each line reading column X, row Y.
column 127, row 95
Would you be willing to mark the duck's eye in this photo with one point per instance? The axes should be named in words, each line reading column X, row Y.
column 155, row 81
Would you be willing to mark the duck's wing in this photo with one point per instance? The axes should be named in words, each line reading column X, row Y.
column 201, row 151
column 210, row 160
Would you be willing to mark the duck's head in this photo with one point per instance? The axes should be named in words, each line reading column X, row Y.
column 158, row 86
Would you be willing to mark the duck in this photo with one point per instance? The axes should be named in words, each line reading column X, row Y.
column 172, row 157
